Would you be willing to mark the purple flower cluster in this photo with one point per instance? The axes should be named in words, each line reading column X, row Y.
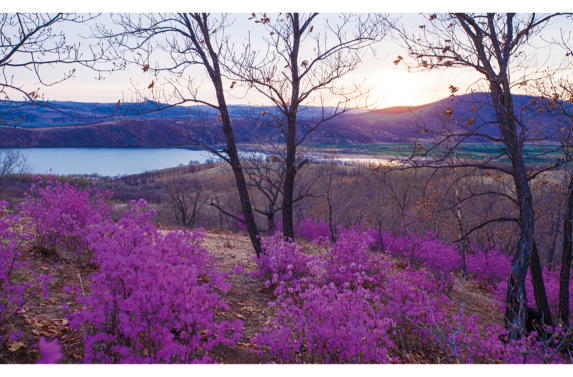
column 311, row 230
column 59, row 215
column 488, row 265
column 281, row 261
column 154, row 297
column 51, row 352
column 17, row 286
column 352, row 305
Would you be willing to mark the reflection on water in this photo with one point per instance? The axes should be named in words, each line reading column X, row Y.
column 121, row 161
column 109, row 161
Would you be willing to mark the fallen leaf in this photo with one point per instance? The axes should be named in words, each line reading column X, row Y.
column 35, row 332
column 65, row 322
column 13, row 347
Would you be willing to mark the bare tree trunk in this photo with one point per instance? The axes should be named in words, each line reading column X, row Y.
column 214, row 72
column 240, row 180
column 516, row 300
column 288, row 193
column 291, row 169
column 565, row 273
column 539, row 287
column 330, row 222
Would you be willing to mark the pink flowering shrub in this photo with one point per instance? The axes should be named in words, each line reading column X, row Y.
column 425, row 249
column 240, row 224
column 154, row 297
column 328, row 325
column 51, row 352
column 354, row 305
column 311, row 230
column 488, row 264
column 281, row 261
column 60, row 216
column 551, row 282
column 17, row 286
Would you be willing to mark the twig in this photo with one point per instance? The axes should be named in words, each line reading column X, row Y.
column 81, row 284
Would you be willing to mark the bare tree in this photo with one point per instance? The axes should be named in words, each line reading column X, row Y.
column 493, row 45
column 185, row 197
column 293, row 78
column 555, row 93
column 337, row 194
column 265, row 169
column 188, row 40
column 32, row 42
column 12, row 162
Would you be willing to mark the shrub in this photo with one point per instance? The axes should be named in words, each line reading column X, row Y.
column 154, row 297
column 488, row 264
column 51, row 352
column 17, row 287
column 328, row 325
column 312, row 231
column 281, row 261
column 60, row 216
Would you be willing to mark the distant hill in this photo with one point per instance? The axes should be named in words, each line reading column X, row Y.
column 50, row 128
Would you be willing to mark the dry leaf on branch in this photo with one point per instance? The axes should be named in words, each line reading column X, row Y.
column 449, row 112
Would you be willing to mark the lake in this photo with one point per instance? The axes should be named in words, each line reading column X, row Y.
column 108, row 161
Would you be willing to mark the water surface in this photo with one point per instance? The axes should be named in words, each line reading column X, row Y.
column 108, row 161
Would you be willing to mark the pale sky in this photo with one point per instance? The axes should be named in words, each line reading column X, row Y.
column 393, row 85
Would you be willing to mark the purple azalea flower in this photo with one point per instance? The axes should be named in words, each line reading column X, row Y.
column 51, row 351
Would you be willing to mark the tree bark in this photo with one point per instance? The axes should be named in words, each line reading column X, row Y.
column 565, row 274
column 288, row 193
column 215, row 75
column 240, row 180
column 290, row 137
column 539, row 287
column 516, row 300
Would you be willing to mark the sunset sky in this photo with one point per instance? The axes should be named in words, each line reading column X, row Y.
column 393, row 85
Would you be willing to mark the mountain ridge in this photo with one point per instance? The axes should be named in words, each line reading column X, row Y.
column 167, row 127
